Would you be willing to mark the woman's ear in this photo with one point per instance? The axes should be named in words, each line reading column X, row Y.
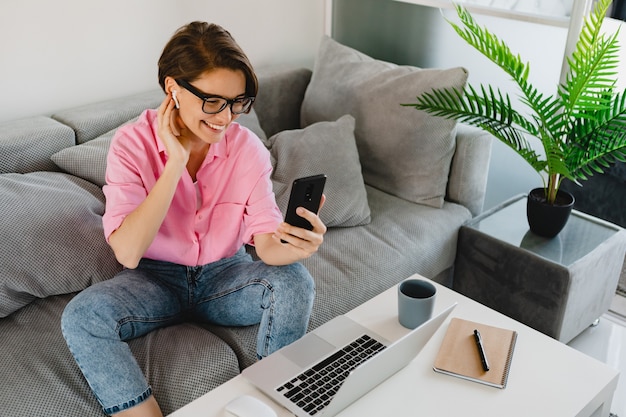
column 170, row 85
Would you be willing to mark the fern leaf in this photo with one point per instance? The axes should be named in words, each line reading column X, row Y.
column 487, row 109
column 590, row 80
column 597, row 143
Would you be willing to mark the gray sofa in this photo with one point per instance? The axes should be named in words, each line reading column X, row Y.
column 395, row 203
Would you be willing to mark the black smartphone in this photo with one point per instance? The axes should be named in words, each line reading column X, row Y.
column 305, row 192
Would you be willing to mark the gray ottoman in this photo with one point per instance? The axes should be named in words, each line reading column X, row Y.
column 558, row 286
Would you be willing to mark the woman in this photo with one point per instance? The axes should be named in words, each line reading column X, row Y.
column 186, row 189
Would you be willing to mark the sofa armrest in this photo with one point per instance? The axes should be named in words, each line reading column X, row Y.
column 26, row 145
column 467, row 183
column 278, row 102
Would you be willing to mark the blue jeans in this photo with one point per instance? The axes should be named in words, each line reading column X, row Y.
column 236, row 291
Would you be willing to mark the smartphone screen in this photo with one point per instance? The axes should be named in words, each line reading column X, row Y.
column 305, row 192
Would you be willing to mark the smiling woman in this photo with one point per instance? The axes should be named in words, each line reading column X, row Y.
column 188, row 260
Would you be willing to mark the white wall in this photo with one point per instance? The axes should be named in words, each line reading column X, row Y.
column 270, row 31
column 63, row 53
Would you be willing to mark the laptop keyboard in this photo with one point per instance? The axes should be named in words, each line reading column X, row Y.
column 313, row 389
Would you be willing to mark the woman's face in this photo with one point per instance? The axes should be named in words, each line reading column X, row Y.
column 210, row 128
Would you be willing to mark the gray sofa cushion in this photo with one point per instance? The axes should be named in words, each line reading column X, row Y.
column 403, row 151
column 92, row 120
column 357, row 263
column 278, row 102
column 88, row 160
column 323, row 148
column 27, row 144
column 40, row 377
column 52, row 238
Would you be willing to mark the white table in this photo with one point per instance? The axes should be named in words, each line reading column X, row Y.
column 547, row 378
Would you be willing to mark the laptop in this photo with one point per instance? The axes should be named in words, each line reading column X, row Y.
column 336, row 364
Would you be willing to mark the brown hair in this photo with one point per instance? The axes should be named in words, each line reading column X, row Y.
column 200, row 47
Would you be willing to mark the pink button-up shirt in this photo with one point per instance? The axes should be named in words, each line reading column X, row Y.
column 231, row 202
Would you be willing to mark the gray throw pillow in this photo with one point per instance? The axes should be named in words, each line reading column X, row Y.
column 323, row 148
column 88, row 160
column 52, row 238
column 403, row 151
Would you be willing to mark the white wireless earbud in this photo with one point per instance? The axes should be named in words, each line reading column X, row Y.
column 175, row 99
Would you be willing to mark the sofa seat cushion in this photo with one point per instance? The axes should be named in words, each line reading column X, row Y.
column 52, row 238
column 403, row 151
column 27, row 144
column 40, row 377
column 322, row 148
column 357, row 263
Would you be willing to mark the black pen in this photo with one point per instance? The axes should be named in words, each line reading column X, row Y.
column 481, row 350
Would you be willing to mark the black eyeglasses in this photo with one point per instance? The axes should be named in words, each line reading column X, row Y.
column 213, row 104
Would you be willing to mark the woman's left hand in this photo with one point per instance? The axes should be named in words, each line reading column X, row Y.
column 305, row 241
column 298, row 243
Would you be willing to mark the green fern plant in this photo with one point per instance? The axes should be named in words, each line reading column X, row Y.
column 582, row 127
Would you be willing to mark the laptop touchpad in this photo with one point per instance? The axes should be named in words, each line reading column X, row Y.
column 308, row 350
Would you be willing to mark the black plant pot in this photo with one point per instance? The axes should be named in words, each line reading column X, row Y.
column 545, row 219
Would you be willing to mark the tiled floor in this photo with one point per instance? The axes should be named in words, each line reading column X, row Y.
column 607, row 343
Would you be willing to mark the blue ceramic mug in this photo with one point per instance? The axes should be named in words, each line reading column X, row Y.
column 416, row 299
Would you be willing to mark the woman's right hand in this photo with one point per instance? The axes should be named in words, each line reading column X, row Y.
column 173, row 132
